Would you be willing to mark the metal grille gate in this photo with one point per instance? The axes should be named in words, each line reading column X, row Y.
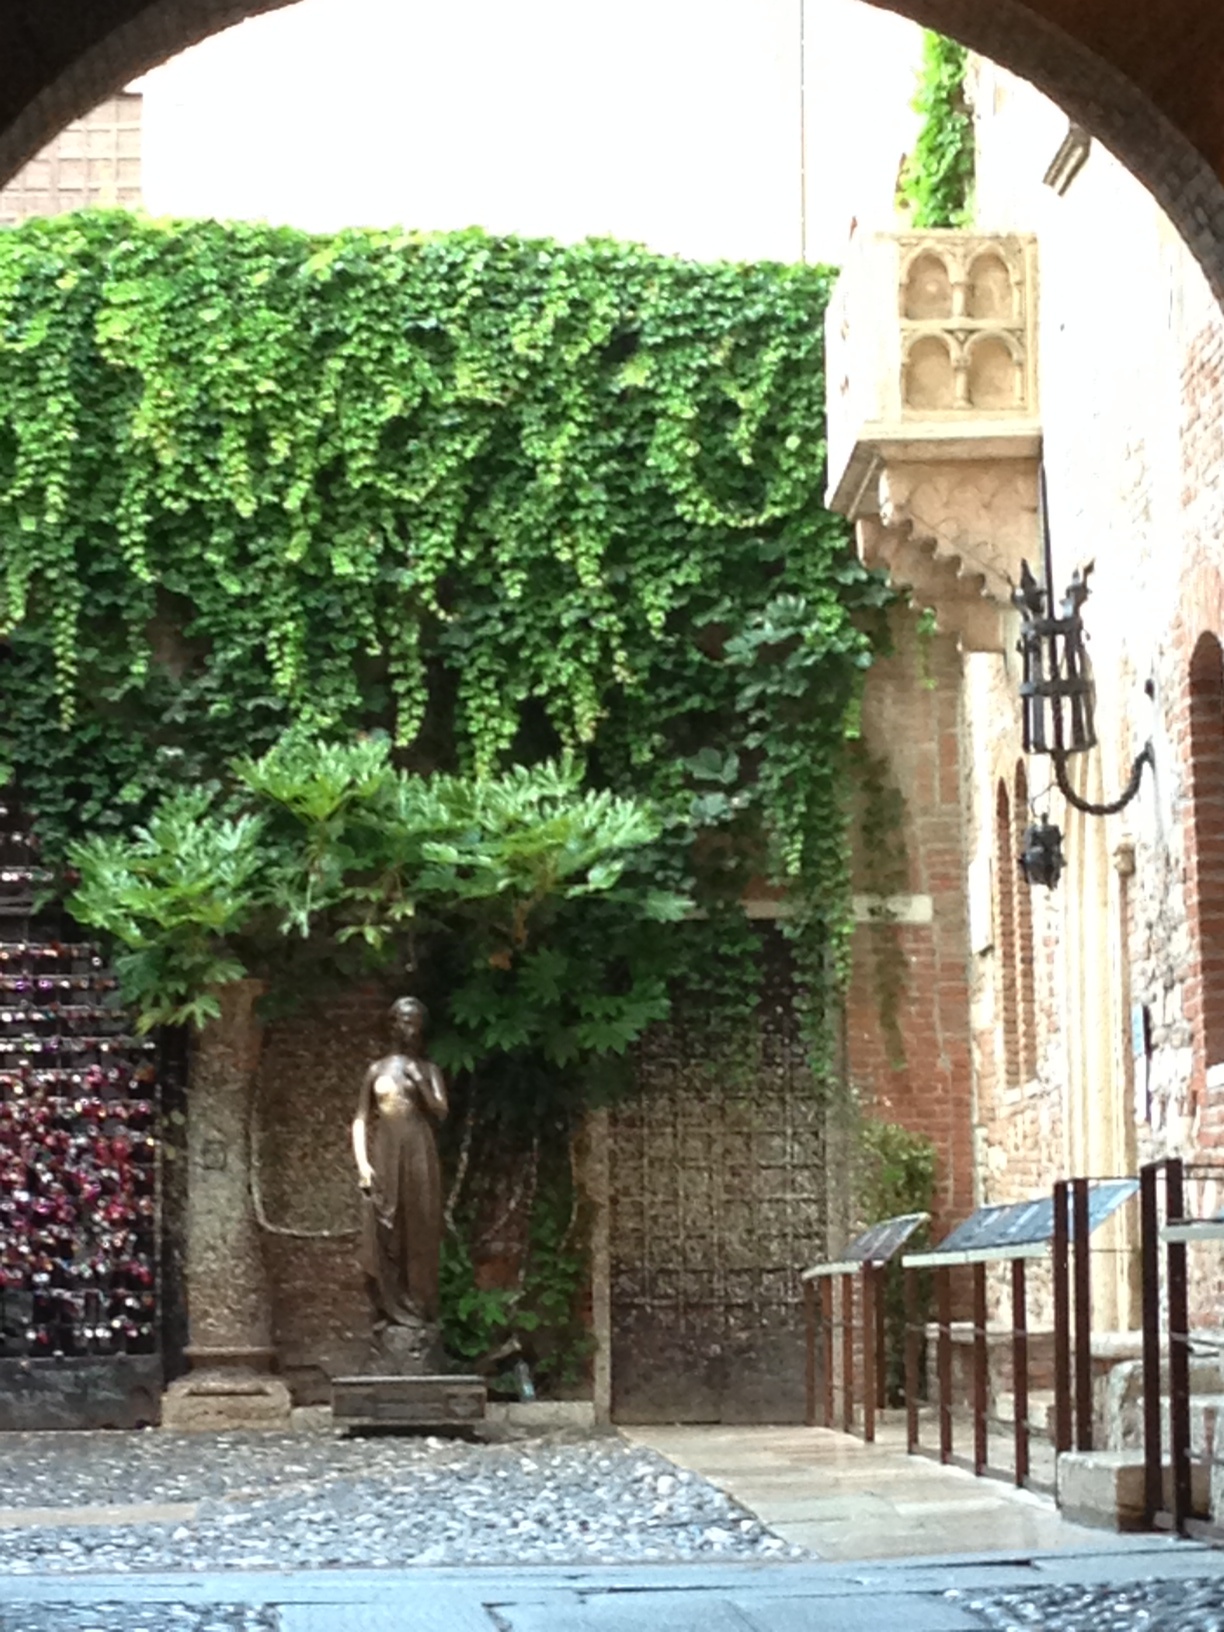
column 718, row 1201
column 80, row 1311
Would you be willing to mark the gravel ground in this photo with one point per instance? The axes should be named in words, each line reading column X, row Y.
column 1175, row 1606
column 139, row 1618
column 1145, row 1606
column 299, row 1500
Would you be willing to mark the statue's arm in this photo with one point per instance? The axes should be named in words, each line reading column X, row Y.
column 361, row 1122
column 434, row 1087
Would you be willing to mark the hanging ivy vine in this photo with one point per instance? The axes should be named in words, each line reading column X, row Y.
column 496, row 499
column 936, row 183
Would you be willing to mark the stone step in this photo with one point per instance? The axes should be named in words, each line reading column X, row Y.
column 1119, row 1403
column 1106, row 1488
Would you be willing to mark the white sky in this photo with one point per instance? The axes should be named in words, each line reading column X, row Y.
column 672, row 122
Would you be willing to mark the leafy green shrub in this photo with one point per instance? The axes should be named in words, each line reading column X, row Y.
column 896, row 1174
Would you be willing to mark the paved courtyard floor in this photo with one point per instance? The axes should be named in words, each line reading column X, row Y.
column 657, row 1530
column 841, row 1500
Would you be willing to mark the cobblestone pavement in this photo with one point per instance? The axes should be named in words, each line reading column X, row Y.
column 1153, row 1606
column 307, row 1500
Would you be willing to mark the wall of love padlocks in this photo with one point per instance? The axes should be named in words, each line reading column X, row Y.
column 78, row 1142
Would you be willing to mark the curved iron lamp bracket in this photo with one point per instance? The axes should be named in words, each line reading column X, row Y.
column 1146, row 756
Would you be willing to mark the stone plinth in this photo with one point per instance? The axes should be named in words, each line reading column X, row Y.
column 1106, row 1488
column 222, row 1399
column 408, row 1402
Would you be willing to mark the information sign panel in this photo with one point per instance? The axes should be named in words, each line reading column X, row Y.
column 1021, row 1228
column 877, row 1245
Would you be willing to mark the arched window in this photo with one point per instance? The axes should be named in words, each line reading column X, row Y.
column 1005, row 939
column 1026, row 979
column 1207, row 771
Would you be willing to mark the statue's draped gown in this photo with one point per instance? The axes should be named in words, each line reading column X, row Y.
column 402, row 1220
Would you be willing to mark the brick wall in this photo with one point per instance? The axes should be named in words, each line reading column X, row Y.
column 911, row 717
column 310, row 1071
column 1128, row 976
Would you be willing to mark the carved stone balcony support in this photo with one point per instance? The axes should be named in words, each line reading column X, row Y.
column 934, row 431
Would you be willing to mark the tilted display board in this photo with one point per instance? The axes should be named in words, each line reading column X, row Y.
column 878, row 1245
column 1023, row 1229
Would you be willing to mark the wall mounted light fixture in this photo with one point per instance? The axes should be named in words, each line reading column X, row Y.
column 1057, row 695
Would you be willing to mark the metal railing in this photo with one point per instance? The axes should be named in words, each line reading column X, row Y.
column 1166, row 1235
column 829, row 1308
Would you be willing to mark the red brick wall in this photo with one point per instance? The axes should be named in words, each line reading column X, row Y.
column 911, row 717
column 1197, row 726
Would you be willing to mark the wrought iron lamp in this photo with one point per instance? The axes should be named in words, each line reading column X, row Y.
column 1041, row 860
column 1056, row 696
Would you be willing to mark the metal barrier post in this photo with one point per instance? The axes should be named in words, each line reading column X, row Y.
column 1179, row 1350
column 847, row 1282
column 943, row 1304
column 1082, row 1284
column 980, row 1370
column 869, row 1352
column 1019, row 1293
column 1062, row 1321
column 1149, row 1249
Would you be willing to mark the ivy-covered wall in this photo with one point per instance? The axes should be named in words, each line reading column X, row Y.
column 491, row 497
column 494, row 497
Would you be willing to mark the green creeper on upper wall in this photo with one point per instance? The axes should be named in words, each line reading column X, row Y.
column 498, row 499
column 936, row 182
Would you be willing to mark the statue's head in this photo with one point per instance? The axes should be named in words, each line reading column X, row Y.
column 408, row 1018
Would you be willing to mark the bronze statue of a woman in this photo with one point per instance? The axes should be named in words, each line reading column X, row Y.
column 402, row 1098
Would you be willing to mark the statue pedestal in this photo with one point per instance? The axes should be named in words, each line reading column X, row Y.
column 408, row 1402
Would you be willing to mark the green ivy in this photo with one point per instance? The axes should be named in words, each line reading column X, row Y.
column 495, row 497
column 540, row 1318
column 487, row 500
column 936, row 182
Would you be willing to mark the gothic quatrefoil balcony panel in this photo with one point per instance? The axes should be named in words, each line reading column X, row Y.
column 934, row 428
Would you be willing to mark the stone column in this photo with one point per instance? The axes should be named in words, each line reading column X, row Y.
column 228, row 1307
column 594, row 1169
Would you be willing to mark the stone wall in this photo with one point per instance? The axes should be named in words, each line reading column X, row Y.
column 94, row 161
column 310, row 1070
column 1131, row 352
